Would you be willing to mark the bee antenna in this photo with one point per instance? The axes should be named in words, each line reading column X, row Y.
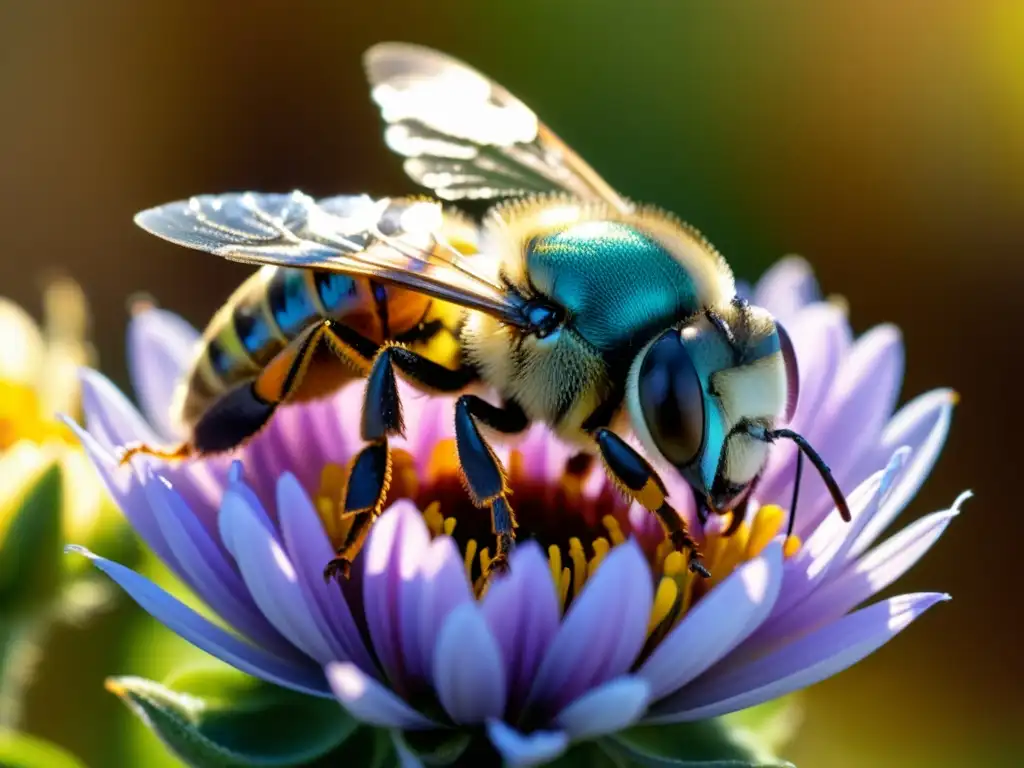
column 806, row 449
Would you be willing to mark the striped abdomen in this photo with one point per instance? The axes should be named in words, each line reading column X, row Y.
column 275, row 304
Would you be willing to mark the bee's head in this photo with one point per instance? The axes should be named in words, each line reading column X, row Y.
column 705, row 397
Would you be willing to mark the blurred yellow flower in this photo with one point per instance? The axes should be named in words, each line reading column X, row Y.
column 38, row 380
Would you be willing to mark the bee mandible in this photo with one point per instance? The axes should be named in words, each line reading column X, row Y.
column 573, row 305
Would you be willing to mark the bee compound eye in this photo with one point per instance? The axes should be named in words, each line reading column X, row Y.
column 672, row 399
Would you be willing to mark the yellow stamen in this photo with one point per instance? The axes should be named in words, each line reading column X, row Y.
column 674, row 564
column 767, row 523
column 471, row 546
column 791, row 547
column 433, row 518
column 485, row 559
column 731, row 553
column 563, row 587
column 579, row 564
column 601, row 548
column 614, row 529
column 449, row 525
column 664, row 600
column 555, row 561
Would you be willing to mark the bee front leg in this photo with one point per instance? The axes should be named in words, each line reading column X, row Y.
column 370, row 475
column 637, row 479
column 484, row 475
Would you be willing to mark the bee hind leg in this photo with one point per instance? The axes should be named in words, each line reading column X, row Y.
column 638, row 480
column 370, row 474
column 127, row 452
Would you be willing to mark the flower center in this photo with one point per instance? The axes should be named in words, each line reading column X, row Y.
column 575, row 519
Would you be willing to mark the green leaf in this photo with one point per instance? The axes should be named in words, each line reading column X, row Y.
column 19, row 750
column 771, row 725
column 440, row 747
column 31, row 559
column 220, row 718
column 705, row 743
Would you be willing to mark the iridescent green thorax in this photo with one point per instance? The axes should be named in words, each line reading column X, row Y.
column 613, row 279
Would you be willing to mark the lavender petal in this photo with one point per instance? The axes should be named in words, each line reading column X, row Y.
column 309, row 549
column 160, row 350
column 442, row 587
column 125, row 488
column 602, row 632
column 391, row 559
column 786, row 287
column 109, row 417
column 523, row 613
column 521, row 750
column 858, row 409
column 866, row 577
column 270, row 576
column 922, row 425
column 716, row 625
column 468, row 673
column 370, row 702
column 297, row 674
column 811, row 659
column 611, row 707
column 206, row 569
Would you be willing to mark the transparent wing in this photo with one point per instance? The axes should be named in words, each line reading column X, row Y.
column 465, row 136
column 393, row 241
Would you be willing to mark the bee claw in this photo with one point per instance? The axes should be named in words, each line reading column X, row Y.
column 498, row 566
column 338, row 567
column 696, row 566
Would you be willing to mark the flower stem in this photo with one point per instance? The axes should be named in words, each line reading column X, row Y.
column 21, row 640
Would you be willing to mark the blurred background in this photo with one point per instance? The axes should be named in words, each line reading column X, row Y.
column 883, row 141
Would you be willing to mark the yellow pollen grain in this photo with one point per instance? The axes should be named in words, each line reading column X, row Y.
column 792, row 546
column 601, row 548
column 614, row 529
column 767, row 523
column 664, row 599
column 471, row 546
column 579, row 564
column 449, row 525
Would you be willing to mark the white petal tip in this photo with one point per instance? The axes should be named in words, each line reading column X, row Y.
column 78, row 549
column 961, row 499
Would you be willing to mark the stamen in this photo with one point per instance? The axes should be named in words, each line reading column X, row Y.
column 555, row 560
column 601, row 548
column 563, row 587
column 579, row 564
column 614, row 529
column 664, row 600
column 767, row 523
column 471, row 546
column 731, row 552
column 433, row 518
column 449, row 525
column 792, row 546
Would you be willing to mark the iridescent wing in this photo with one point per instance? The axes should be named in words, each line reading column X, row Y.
column 393, row 241
column 465, row 136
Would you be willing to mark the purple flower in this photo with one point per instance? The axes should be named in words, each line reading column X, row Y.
column 599, row 626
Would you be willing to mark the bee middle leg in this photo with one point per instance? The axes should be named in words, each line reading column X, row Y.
column 638, row 480
column 370, row 475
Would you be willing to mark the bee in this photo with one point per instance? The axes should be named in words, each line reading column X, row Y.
column 570, row 304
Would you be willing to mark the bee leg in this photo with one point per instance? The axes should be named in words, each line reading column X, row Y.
column 484, row 475
column 370, row 475
column 638, row 480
